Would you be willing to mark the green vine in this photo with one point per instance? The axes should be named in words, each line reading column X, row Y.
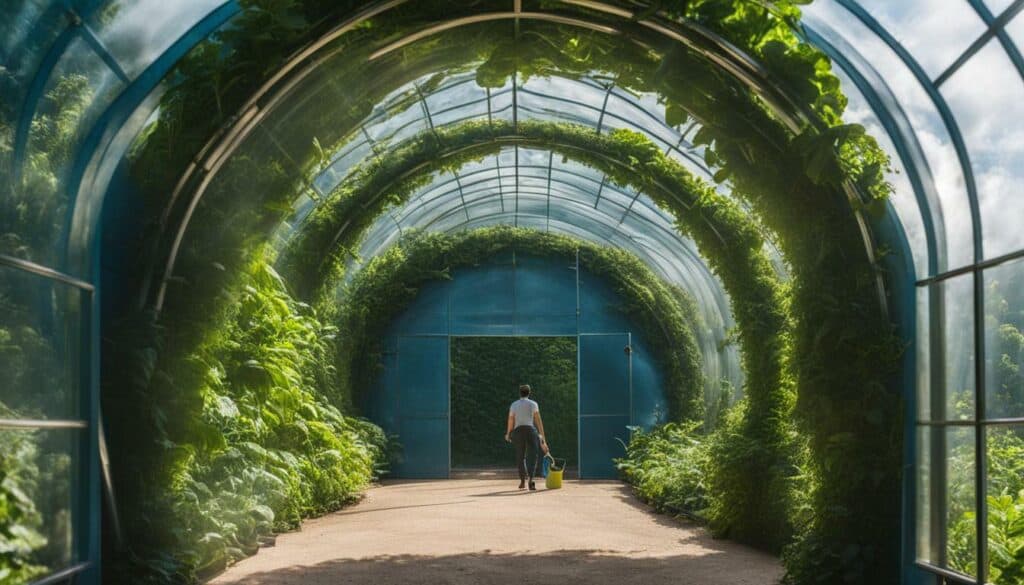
column 723, row 232
column 842, row 353
column 387, row 284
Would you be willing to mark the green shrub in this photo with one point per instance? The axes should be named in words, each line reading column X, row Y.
column 668, row 468
column 264, row 446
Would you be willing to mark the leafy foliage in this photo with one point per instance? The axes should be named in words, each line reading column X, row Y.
column 25, row 478
column 388, row 283
column 1005, row 498
column 842, row 351
column 668, row 468
column 731, row 242
column 252, row 445
column 486, row 374
column 1004, row 319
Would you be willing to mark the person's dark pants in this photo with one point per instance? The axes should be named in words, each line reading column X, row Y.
column 527, row 443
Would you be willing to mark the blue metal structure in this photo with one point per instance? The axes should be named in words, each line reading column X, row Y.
column 515, row 295
column 940, row 80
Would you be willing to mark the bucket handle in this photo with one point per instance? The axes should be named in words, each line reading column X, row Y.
column 554, row 462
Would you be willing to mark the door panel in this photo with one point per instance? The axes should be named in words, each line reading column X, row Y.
column 423, row 407
column 605, row 390
column 599, row 445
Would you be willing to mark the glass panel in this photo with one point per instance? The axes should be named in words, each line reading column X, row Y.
column 139, row 31
column 928, row 548
column 468, row 111
column 961, row 539
column 79, row 89
column 398, row 125
column 858, row 111
column 987, row 96
column 935, row 32
column 998, row 6
column 36, row 523
column 40, row 336
column 1015, row 29
column 954, row 301
column 827, row 18
column 1004, row 340
column 353, row 155
column 946, row 498
column 923, row 350
column 553, row 98
column 28, row 30
column 1005, row 497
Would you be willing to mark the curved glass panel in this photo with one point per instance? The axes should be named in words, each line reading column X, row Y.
column 65, row 65
column 828, row 17
column 549, row 193
column 992, row 131
column 935, row 36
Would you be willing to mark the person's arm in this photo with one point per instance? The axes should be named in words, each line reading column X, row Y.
column 510, row 426
column 540, row 426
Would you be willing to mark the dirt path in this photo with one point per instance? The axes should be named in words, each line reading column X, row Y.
column 470, row 532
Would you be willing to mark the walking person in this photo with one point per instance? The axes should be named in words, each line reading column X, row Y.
column 526, row 431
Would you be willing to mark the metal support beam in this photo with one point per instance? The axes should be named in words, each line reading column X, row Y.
column 996, row 28
column 600, row 188
column 551, row 159
column 604, row 107
column 462, row 196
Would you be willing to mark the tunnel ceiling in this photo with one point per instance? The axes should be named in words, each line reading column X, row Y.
column 884, row 52
column 84, row 83
column 527, row 186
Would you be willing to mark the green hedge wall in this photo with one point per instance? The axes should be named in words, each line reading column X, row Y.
column 486, row 374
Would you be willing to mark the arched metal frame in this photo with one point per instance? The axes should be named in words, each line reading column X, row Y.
column 73, row 28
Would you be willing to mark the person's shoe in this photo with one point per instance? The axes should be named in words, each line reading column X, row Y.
column 533, row 487
column 522, row 484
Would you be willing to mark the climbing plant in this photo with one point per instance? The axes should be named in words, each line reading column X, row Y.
column 485, row 376
column 383, row 288
column 728, row 239
column 794, row 179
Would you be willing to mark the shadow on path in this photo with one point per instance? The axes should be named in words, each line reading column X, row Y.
column 593, row 567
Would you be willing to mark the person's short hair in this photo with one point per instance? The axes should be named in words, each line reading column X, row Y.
column 524, row 390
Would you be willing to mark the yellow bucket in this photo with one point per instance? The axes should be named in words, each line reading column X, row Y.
column 553, row 481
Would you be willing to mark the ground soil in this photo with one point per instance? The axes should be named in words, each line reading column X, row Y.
column 485, row 531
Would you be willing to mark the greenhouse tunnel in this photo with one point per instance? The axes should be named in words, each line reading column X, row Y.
column 783, row 236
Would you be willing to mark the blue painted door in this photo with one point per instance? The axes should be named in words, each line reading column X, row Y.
column 605, row 394
column 423, row 406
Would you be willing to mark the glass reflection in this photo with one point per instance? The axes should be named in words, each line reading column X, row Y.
column 1004, row 340
column 955, row 300
column 946, row 504
column 40, row 333
column 934, row 31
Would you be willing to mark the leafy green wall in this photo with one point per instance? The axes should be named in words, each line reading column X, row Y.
column 377, row 294
column 486, row 374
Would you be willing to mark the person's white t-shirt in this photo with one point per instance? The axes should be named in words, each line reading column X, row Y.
column 523, row 410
